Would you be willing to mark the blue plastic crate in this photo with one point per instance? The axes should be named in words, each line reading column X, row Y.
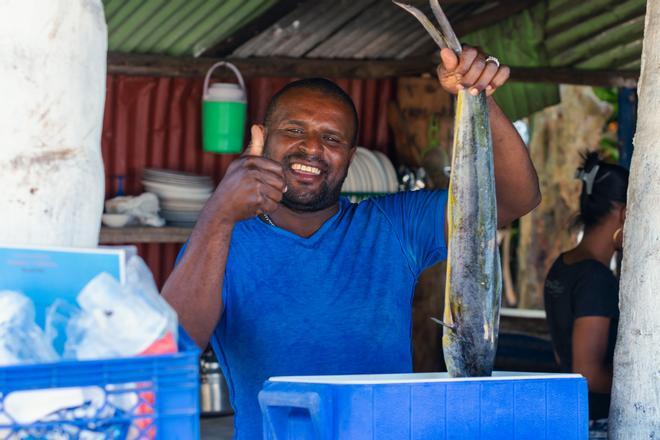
column 163, row 388
column 426, row 406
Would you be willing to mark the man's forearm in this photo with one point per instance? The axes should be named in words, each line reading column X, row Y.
column 517, row 185
column 194, row 289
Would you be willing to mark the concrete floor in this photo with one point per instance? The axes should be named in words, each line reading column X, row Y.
column 217, row 428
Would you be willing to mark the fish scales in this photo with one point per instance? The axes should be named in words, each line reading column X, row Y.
column 474, row 285
column 473, row 289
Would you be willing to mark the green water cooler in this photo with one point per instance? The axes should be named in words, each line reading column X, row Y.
column 224, row 110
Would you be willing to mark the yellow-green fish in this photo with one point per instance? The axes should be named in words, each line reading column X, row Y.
column 473, row 289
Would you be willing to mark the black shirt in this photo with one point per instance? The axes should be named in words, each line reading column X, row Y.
column 585, row 288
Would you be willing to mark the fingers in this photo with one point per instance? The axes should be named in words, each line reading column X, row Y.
column 498, row 80
column 483, row 81
column 256, row 147
column 276, row 180
column 268, row 196
column 449, row 59
column 479, row 75
column 269, row 184
column 261, row 163
column 466, row 60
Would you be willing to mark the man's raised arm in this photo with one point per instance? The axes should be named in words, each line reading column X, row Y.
column 252, row 185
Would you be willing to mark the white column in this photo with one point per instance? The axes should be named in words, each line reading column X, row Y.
column 635, row 409
column 52, row 92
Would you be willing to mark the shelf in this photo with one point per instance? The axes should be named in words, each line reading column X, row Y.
column 139, row 234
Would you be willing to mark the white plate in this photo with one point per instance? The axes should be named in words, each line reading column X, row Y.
column 355, row 175
column 181, row 206
column 178, row 187
column 378, row 175
column 363, row 180
column 392, row 179
column 161, row 174
column 349, row 182
column 181, row 193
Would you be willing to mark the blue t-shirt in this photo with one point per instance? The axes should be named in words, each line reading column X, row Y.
column 338, row 302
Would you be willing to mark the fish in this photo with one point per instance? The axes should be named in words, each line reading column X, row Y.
column 473, row 288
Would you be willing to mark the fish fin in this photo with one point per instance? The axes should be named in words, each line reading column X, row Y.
column 439, row 39
column 449, row 326
column 445, row 28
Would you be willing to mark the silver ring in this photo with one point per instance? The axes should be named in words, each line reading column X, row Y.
column 492, row 59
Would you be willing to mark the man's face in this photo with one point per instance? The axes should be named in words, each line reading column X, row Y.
column 311, row 135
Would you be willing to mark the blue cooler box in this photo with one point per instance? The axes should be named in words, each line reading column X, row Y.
column 426, row 406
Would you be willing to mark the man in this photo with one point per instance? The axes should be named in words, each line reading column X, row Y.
column 286, row 278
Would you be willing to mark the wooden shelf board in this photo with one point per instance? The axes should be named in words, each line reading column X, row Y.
column 143, row 234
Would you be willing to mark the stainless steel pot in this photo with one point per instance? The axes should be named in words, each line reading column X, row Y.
column 214, row 395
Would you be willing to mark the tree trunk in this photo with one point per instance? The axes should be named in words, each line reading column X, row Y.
column 635, row 408
column 53, row 67
column 559, row 134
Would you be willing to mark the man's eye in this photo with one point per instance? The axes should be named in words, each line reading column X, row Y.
column 294, row 130
column 333, row 139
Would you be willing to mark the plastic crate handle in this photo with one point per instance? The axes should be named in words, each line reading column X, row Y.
column 276, row 398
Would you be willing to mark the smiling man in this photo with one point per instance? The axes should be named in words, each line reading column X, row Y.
column 285, row 277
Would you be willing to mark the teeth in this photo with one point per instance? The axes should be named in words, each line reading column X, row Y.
column 306, row 168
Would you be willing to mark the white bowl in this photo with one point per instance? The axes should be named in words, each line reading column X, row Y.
column 116, row 220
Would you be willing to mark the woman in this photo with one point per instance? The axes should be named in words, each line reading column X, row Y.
column 581, row 293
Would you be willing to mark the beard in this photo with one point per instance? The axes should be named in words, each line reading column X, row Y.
column 307, row 201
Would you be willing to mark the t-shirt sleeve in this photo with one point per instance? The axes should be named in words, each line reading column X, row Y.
column 597, row 294
column 418, row 219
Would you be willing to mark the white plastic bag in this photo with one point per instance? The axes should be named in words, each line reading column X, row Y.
column 140, row 280
column 144, row 208
column 21, row 340
column 120, row 320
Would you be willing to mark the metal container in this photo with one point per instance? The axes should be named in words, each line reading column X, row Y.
column 214, row 395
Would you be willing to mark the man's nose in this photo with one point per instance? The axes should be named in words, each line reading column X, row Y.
column 312, row 144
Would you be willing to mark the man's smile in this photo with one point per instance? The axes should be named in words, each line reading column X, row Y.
column 305, row 169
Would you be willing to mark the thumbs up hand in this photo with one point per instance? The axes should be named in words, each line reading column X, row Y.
column 256, row 146
column 252, row 185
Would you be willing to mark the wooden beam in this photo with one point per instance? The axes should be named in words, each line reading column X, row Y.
column 567, row 75
column 155, row 65
column 144, row 234
column 271, row 16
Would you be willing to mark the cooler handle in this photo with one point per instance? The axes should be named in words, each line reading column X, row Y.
column 231, row 67
column 280, row 396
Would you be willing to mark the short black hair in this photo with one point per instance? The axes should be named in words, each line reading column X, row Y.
column 322, row 85
column 609, row 185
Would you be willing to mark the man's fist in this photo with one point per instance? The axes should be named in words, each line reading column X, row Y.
column 470, row 71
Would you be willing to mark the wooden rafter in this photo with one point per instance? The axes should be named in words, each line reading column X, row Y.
column 156, row 65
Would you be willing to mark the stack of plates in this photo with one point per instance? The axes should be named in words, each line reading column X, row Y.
column 370, row 172
column 182, row 195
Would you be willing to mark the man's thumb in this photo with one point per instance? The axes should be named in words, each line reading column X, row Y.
column 449, row 59
column 256, row 147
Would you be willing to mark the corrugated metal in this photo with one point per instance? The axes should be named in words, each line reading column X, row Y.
column 359, row 29
column 155, row 122
column 600, row 34
column 518, row 41
column 176, row 27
